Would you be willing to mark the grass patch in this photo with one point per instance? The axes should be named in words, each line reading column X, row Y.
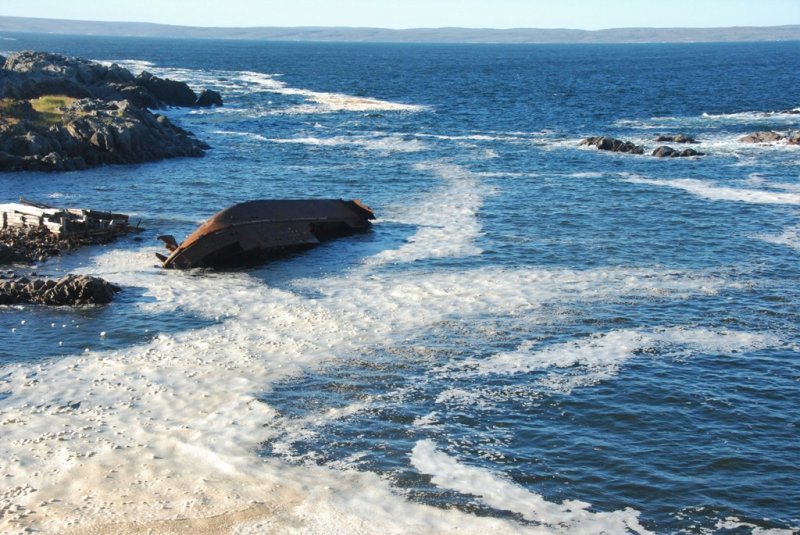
column 50, row 108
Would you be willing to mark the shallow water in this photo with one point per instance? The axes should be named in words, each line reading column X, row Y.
column 535, row 336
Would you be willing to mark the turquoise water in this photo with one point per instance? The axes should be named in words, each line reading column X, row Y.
column 530, row 323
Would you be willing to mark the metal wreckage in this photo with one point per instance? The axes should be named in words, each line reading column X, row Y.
column 251, row 232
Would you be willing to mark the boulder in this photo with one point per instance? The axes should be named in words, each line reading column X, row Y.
column 675, row 138
column 613, row 145
column 69, row 290
column 669, row 152
column 761, row 137
column 793, row 139
column 209, row 98
column 169, row 92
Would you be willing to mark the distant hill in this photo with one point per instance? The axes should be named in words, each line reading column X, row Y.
column 415, row 35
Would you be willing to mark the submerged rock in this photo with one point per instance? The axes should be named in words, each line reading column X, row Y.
column 613, row 145
column 669, row 152
column 69, row 290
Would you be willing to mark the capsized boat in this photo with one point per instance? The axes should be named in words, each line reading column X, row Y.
column 253, row 231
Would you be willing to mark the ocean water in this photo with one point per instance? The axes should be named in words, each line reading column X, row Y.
column 535, row 337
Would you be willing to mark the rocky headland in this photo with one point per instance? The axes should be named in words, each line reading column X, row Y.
column 59, row 113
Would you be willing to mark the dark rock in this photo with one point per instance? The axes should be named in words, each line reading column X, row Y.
column 675, row 138
column 69, row 290
column 7, row 254
column 793, row 139
column 613, row 145
column 170, row 92
column 209, row 98
column 94, row 132
column 761, row 137
column 136, row 95
column 109, row 124
column 36, row 244
column 669, row 152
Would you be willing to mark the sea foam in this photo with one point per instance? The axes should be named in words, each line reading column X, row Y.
column 711, row 191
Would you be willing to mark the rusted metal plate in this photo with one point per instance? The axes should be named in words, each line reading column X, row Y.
column 252, row 231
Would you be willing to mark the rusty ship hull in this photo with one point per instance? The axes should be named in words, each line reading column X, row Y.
column 254, row 231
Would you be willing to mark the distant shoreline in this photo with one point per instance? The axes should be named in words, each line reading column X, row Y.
column 414, row 35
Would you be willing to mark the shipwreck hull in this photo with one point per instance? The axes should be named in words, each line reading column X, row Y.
column 254, row 231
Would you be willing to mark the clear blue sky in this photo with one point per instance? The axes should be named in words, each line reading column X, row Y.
column 582, row 14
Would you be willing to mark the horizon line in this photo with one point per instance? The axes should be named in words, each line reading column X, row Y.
column 383, row 28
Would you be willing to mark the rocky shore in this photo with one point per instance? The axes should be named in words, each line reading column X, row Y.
column 37, row 244
column 610, row 144
column 60, row 114
column 35, row 241
column 617, row 145
column 69, row 290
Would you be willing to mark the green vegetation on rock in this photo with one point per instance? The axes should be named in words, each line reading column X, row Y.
column 45, row 110
column 51, row 108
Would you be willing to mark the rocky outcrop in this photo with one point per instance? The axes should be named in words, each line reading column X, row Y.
column 90, row 114
column 27, row 75
column 171, row 92
column 69, row 290
column 94, row 132
column 675, row 138
column 613, row 145
column 669, row 152
column 761, row 137
column 37, row 244
column 208, row 98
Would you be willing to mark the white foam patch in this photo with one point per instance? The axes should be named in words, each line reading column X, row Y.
column 790, row 237
column 136, row 66
column 588, row 174
column 570, row 516
column 598, row 358
column 242, row 82
column 735, row 524
column 374, row 143
column 248, row 135
column 325, row 102
column 447, row 219
column 670, row 124
column 169, row 430
column 714, row 192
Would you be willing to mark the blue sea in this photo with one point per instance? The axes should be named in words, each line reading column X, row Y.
column 535, row 337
